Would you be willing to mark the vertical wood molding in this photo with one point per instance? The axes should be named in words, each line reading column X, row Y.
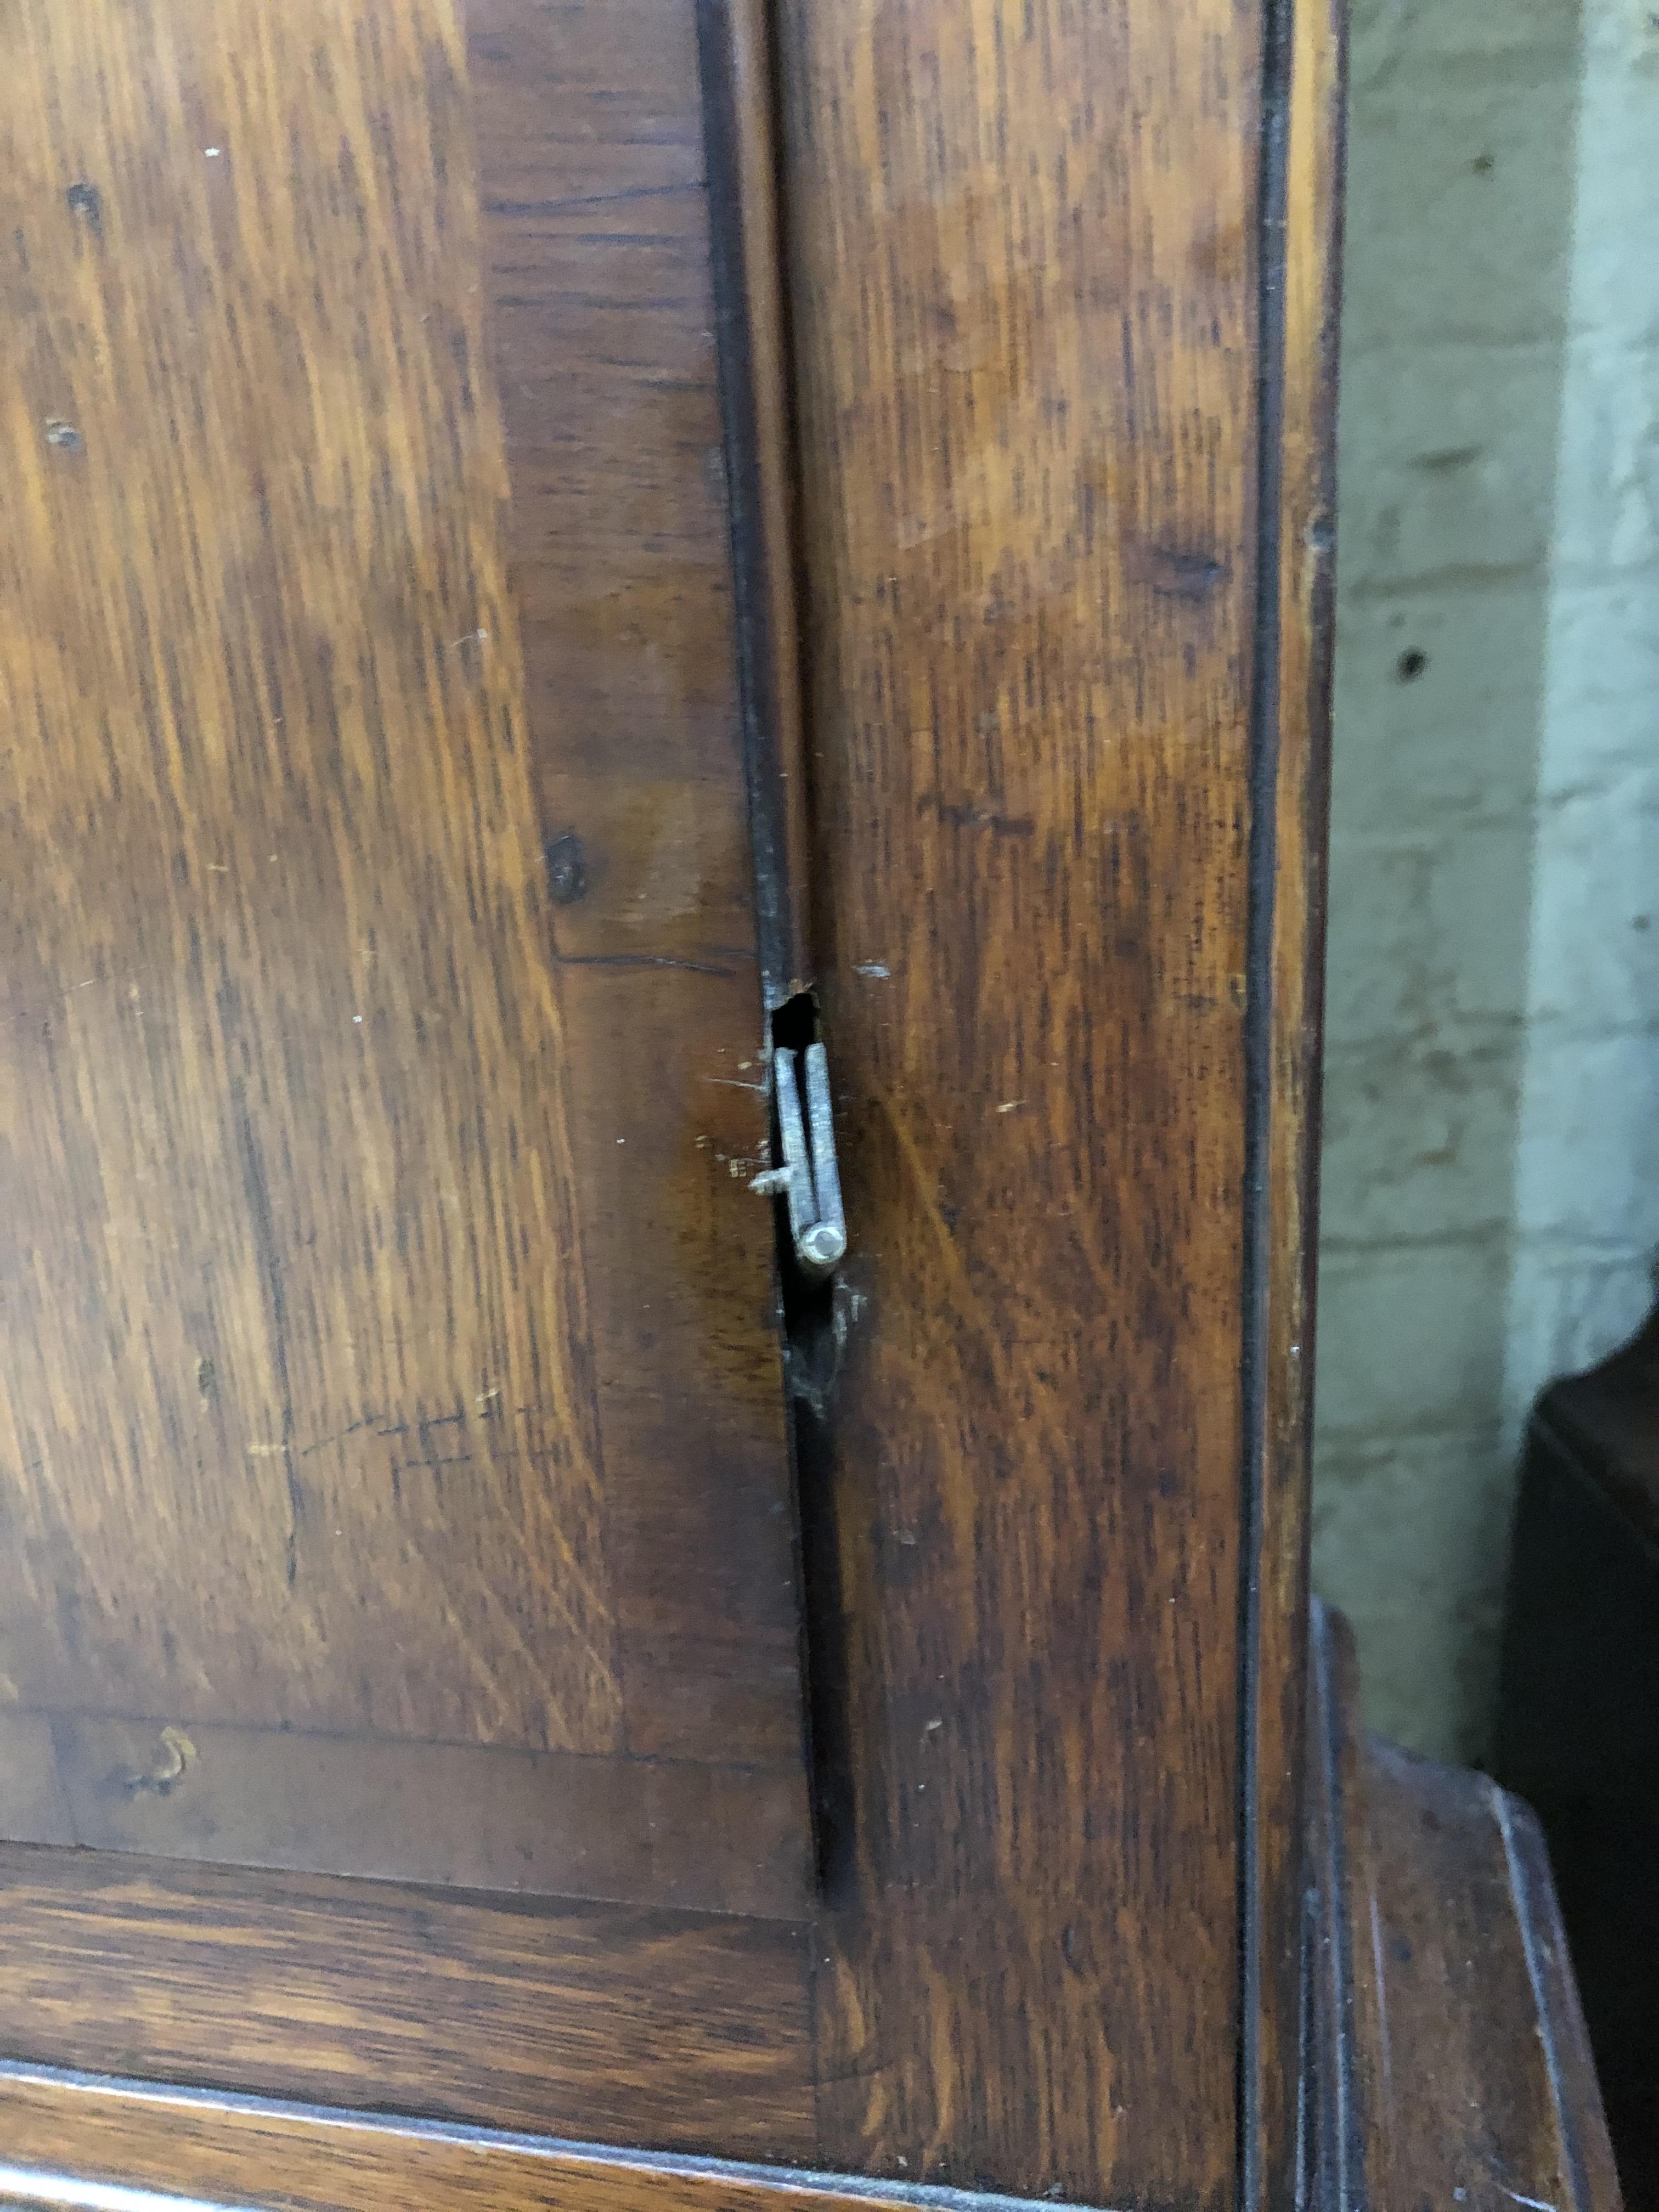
column 1023, row 271
column 1301, row 279
column 739, row 98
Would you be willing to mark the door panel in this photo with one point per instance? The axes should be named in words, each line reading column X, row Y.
column 389, row 1395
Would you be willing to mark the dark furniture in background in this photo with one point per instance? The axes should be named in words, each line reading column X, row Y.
column 1578, row 1716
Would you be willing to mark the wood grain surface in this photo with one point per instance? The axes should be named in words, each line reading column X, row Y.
column 389, row 1356
column 1455, row 2067
column 296, row 1403
column 589, row 122
column 653, row 1832
column 1348, row 2143
column 75, row 2135
column 1024, row 277
column 1303, row 130
column 684, row 2031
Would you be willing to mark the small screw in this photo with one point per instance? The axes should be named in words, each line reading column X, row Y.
column 567, row 867
column 63, row 437
column 823, row 1244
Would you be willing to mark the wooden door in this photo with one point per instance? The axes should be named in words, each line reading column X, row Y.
column 392, row 1411
column 549, row 552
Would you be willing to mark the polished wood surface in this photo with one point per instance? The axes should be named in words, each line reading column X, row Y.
column 1304, row 128
column 77, row 2136
column 1345, row 2141
column 657, row 1832
column 278, row 1271
column 589, row 124
column 1496, row 2094
column 1449, row 2063
column 684, row 2031
column 391, row 1410
column 1026, row 271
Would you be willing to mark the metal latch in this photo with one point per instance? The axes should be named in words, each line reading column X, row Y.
column 808, row 1178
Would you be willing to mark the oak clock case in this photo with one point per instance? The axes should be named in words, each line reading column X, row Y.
column 558, row 557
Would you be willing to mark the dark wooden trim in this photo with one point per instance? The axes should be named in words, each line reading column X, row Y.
column 1256, row 1249
column 739, row 134
column 1301, row 285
